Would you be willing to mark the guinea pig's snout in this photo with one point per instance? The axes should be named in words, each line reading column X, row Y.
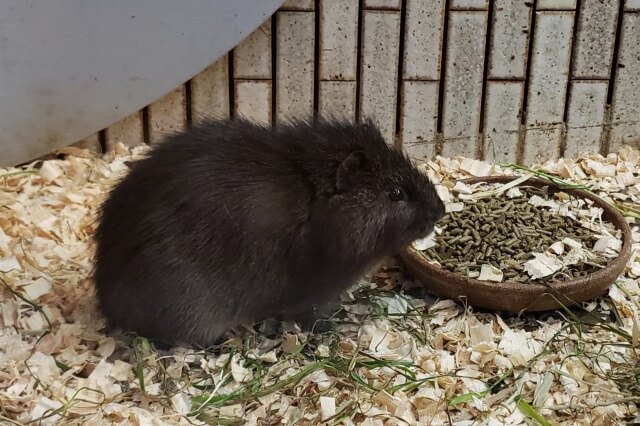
column 424, row 226
column 427, row 229
column 440, row 210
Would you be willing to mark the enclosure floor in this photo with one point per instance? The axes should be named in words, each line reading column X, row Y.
column 397, row 357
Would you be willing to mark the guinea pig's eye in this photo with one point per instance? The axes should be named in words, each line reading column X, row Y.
column 396, row 194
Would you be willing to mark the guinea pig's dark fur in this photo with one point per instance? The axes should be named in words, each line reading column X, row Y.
column 231, row 222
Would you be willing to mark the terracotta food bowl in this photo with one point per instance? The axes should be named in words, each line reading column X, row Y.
column 516, row 297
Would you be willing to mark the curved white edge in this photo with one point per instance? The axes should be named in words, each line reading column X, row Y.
column 69, row 68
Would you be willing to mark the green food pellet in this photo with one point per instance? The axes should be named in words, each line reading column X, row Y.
column 503, row 233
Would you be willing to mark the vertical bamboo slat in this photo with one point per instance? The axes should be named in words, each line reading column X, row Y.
column 252, row 57
column 625, row 106
column 595, row 39
column 421, row 74
column 337, row 99
column 418, row 118
column 585, row 120
column 338, row 40
column 338, row 58
column 381, row 39
column 167, row 115
column 502, row 120
column 295, row 65
column 548, row 85
column 253, row 75
column 253, row 100
column 509, row 40
column 210, row 91
column 463, row 82
column 423, row 39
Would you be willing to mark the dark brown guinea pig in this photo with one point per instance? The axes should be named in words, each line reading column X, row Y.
column 231, row 223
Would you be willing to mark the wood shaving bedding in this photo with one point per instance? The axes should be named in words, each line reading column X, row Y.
column 396, row 356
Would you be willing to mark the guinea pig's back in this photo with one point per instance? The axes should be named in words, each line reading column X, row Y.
column 192, row 230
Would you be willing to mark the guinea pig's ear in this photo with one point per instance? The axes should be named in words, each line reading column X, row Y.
column 350, row 166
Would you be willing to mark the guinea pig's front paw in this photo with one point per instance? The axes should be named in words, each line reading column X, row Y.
column 311, row 319
column 316, row 325
column 161, row 345
column 270, row 328
column 315, row 321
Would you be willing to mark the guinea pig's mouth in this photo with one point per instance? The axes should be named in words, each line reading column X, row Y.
column 428, row 233
column 425, row 230
column 426, row 241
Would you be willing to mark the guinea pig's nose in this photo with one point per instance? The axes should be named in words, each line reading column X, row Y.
column 426, row 228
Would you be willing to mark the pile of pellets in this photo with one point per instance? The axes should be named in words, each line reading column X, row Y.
column 504, row 233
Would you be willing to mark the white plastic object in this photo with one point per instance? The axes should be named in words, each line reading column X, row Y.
column 69, row 68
